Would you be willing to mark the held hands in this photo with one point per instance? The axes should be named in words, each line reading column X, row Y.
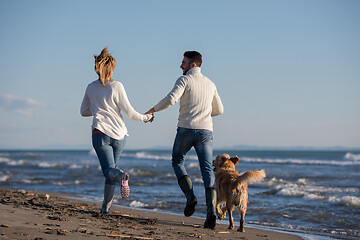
column 150, row 112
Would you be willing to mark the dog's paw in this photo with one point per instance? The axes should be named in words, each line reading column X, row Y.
column 231, row 227
column 221, row 216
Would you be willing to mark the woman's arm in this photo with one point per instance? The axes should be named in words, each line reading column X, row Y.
column 85, row 110
column 124, row 104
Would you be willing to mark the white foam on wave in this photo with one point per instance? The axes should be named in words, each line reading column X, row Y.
column 351, row 156
column 21, row 162
column 76, row 182
column 44, row 164
column 32, row 181
column 4, row 178
column 301, row 161
column 4, row 160
column 351, row 201
column 48, row 165
column 197, row 180
column 76, row 166
column 10, row 162
column 313, row 197
column 145, row 155
column 307, row 190
column 194, row 165
column 92, row 152
column 18, row 163
column 137, row 204
column 139, row 173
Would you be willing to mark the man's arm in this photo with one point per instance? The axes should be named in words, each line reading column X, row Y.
column 172, row 97
column 217, row 106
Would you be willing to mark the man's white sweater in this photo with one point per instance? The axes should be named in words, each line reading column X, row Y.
column 199, row 100
column 105, row 105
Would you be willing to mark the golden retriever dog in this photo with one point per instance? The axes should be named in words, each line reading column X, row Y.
column 231, row 188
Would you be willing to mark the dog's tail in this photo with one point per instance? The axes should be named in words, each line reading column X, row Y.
column 251, row 176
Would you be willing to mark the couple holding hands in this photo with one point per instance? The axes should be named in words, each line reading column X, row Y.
column 105, row 99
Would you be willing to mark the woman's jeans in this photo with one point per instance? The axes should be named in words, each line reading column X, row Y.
column 108, row 151
column 201, row 140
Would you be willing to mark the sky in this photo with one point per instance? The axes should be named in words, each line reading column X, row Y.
column 287, row 71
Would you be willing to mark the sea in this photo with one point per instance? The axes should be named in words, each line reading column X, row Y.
column 315, row 194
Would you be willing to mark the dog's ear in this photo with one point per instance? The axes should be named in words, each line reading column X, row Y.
column 235, row 160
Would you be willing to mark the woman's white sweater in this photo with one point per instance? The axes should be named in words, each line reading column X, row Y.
column 105, row 105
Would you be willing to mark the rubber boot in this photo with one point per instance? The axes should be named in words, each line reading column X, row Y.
column 108, row 198
column 210, row 195
column 191, row 201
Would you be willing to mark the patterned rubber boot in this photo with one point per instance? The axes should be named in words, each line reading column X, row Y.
column 125, row 189
column 119, row 176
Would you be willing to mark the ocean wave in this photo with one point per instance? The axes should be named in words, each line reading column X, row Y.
column 301, row 161
column 194, row 165
column 137, row 204
column 76, row 182
column 349, row 201
column 170, row 176
column 139, row 173
column 313, row 197
column 33, row 181
column 4, row 178
column 43, row 164
column 351, row 156
column 309, row 191
column 92, row 152
column 145, row 155
column 49, row 165
column 331, row 232
column 10, row 162
column 76, row 166
column 197, row 180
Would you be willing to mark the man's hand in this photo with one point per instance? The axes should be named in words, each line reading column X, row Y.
column 151, row 111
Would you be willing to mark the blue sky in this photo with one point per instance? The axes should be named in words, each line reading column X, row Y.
column 288, row 72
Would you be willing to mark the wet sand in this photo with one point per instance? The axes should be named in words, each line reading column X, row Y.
column 37, row 215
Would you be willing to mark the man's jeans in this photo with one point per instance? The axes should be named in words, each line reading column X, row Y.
column 201, row 140
column 108, row 151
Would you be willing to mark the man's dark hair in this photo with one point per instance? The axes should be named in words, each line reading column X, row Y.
column 194, row 56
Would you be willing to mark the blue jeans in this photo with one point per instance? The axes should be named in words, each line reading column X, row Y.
column 108, row 151
column 201, row 140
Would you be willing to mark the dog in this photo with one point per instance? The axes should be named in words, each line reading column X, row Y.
column 231, row 188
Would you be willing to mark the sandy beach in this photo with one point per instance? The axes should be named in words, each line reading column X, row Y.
column 37, row 215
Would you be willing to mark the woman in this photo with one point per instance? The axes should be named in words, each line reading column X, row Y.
column 104, row 100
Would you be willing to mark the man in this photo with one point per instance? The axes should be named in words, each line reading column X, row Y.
column 199, row 101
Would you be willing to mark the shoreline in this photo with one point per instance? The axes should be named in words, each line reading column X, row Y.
column 27, row 214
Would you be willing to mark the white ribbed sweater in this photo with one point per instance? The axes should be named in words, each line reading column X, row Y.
column 199, row 100
column 105, row 105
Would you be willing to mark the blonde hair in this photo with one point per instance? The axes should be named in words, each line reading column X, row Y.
column 104, row 66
